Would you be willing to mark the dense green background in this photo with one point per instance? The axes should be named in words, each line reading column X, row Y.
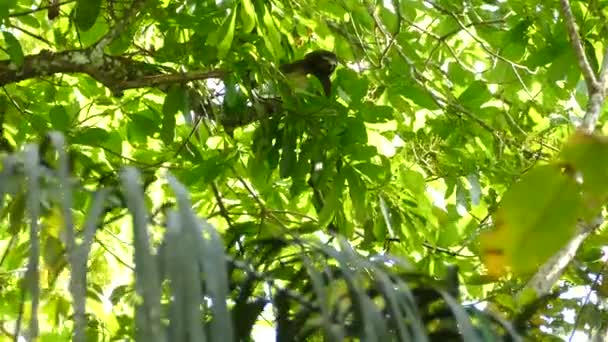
column 437, row 108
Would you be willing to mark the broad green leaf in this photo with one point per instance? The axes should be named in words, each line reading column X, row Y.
column 591, row 56
column 332, row 203
column 93, row 136
column 352, row 83
column 288, row 153
column 226, row 34
column 375, row 173
column 408, row 9
column 87, row 12
column 362, row 16
column 588, row 155
column 475, row 95
column 14, row 49
column 389, row 19
column 271, row 35
column 136, row 134
column 114, row 142
column 5, row 6
column 121, row 44
column 95, row 33
column 30, row 21
column 357, row 192
column 17, row 212
column 560, row 65
column 420, row 97
column 375, row 113
column 515, row 41
column 60, row 120
column 247, row 15
column 355, row 133
column 447, row 26
column 173, row 103
column 536, row 217
column 53, row 253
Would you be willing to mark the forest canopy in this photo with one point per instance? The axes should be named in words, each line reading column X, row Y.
column 412, row 170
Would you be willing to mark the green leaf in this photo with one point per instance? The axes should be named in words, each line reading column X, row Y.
column 420, row 97
column 357, row 191
column 174, row 101
column 288, row 153
column 375, row 173
column 271, row 36
column 30, row 21
column 13, row 48
column 588, row 154
column 332, row 202
column 60, row 120
column 5, row 6
column 355, row 133
column 560, row 66
column 16, row 214
column 93, row 136
column 226, row 34
column 375, row 113
column 591, row 55
column 247, row 15
column 87, row 12
column 53, row 253
column 475, row 95
column 121, row 44
column 353, row 84
column 536, row 217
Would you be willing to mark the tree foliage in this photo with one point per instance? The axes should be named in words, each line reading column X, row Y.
column 455, row 172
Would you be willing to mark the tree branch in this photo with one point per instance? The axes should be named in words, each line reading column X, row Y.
column 115, row 72
column 550, row 272
column 575, row 39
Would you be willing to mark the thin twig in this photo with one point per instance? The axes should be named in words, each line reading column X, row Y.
column 38, row 9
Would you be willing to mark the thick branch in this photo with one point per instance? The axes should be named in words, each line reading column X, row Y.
column 122, row 73
column 552, row 270
column 161, row 79
column 116, row 73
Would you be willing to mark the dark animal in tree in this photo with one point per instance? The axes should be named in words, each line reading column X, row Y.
column 320, row 63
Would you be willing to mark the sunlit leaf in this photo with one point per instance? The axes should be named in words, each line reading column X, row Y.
column 87, row 12
column 60, row 120
column 14, row 48
column 536, row 217
column 247, row 15
column 174, row 102
column 357, row 192
column 586, row 156
column 91, row 136
column 226, row 34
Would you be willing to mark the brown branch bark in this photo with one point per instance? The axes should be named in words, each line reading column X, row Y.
column 577, row 45
column 115, row 72
column 120, row 73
